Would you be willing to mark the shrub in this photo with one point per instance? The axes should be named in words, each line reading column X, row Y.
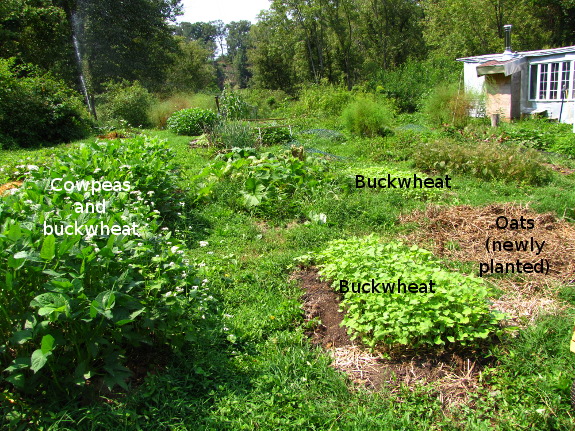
column 457, row 312
column 410, row 83
column 263, row 183
column 192, row 121
column 77, row 304
column 448, row 105
column 125, row 103
column 231, row 134
column 37, row 109
column 322, row 100
column 486, row 160
column 275, row 136
column 162, row 110
column 366, row 117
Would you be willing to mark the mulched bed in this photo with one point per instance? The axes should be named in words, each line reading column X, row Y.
column 459, row 233
column 454, row 373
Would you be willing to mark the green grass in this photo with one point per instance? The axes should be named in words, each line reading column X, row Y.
column 261, row 372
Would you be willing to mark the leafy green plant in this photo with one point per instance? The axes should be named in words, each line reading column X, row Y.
column 192, row 121
column 74, row 303
column 486, row 160
column 125, row 103
column 37, row 109
column 275, row 136
column 456, row 312
column 365, row 117
column 162, row 110
column 269, row 185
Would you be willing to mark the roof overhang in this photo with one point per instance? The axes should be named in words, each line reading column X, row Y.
column 508, row 67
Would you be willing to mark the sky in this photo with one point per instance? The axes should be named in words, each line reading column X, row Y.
column 226, row 10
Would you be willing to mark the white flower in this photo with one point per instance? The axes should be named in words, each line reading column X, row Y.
column 140, row 244
column 174, row 249
column 210, row 252
column 204, row 243
column 150, row 193
column 32, row 167
column 201, row 265
column 322, row 218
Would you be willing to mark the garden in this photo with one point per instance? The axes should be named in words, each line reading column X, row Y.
column 195, row 265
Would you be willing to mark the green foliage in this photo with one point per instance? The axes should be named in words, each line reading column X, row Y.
column 486, row 160
column 275, row 136
column 447, row 105
column 365, row 117
column 264, row 183
column 192, row 121
column 73, row 304
column 37, row 109
column 161, row 110
column 124, row 103
column 458, row 312
column 231, row 134
column 234, row 107
column 409, row 84
column 323, row 100
column 191, row 69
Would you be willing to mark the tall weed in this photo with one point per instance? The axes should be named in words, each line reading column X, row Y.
column 448, row 105
column 365, row 117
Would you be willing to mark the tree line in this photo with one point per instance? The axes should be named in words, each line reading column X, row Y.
column 341, row 42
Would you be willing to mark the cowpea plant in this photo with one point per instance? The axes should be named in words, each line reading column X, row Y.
column 72, row 305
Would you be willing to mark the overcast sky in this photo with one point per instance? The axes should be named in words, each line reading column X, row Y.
column 226, row 10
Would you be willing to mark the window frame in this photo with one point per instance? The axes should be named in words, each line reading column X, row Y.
column 549, row 65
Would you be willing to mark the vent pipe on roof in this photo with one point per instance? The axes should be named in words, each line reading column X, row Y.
column 507, row 29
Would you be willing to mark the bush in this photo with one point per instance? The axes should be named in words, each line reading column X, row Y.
column 162, row 110
column 448, row 105
column 78, row 303
column 365, row 117
column 322, row 100
column 37, row 109
column 125, row 104
column 263, row 183
column 409, row 84
column 486, row 160
column 275, row 136
column 231, row 134
column 192, row 121
column 457, row 312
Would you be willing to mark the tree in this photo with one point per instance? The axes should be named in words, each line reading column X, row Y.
column 127, row 39
column 238, row 43
column 191, row 70
column 37, row 32
column 459, row 28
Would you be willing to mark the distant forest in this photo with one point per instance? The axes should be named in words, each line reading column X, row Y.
column 347, row 43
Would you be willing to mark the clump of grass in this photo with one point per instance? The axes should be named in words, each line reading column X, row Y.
column 365, row 117
column 486, row 160
column 229, row 134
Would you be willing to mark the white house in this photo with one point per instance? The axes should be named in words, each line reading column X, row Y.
column 522, row 83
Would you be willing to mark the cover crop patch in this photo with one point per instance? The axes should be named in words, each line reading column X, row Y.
column 73, row 305
column 457, row 312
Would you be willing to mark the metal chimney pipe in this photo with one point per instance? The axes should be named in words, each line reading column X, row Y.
column 507, row 29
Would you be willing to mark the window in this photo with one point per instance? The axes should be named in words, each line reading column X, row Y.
column 552, row 81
